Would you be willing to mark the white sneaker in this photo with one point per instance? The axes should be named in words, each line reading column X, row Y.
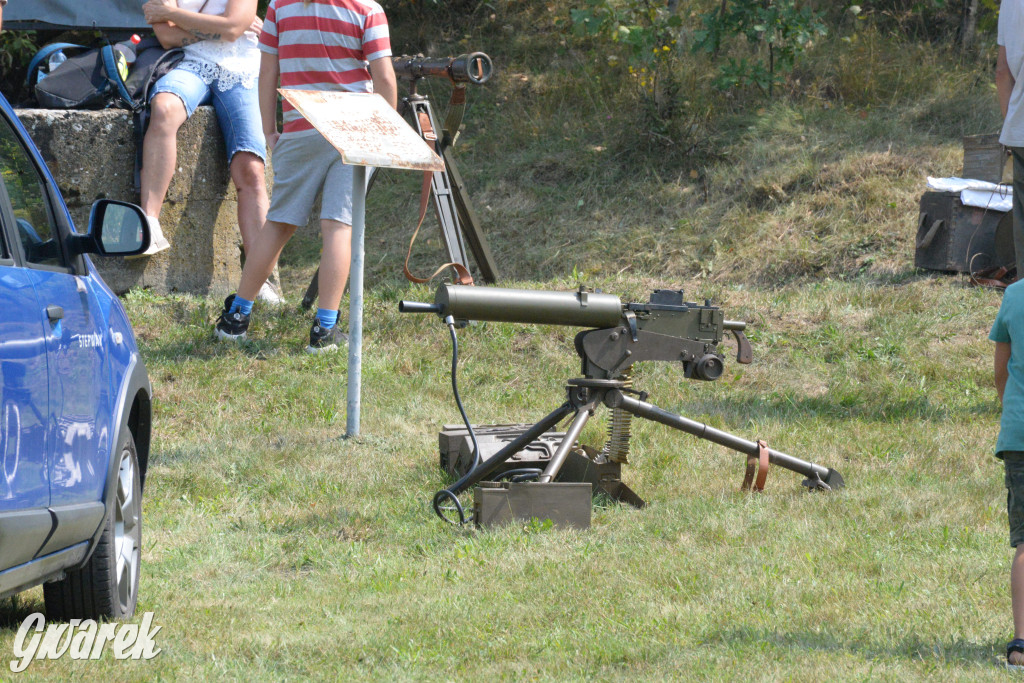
column 269, row 295
column 157, row 241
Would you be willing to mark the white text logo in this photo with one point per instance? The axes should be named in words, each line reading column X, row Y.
column 82, row 639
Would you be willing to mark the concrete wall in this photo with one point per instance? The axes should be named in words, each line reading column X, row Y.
column 92, row 155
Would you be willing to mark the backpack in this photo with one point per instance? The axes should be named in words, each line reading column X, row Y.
column 89, row 79
column 92, row 80
column 152, row 62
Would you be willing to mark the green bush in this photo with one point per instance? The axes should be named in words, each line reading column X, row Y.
column 776, row 31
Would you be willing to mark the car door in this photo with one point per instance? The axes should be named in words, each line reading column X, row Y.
column 24, row 472
column 78, row 425
column 25, row 521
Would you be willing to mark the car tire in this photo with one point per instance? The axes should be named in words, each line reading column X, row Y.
column 108, row 585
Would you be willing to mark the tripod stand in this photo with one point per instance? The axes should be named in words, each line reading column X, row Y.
column 455, row 213
column 585, row 396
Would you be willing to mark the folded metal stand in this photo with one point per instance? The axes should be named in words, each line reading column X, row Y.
column 585, row 396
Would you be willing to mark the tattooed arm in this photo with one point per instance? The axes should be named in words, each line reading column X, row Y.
column 239, row 16
column 170, row 35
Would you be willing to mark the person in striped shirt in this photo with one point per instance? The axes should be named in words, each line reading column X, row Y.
column 332, row 45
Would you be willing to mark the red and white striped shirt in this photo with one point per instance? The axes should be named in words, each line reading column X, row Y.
column 325, row 45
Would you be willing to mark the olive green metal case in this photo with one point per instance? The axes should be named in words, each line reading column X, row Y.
column 567, row 505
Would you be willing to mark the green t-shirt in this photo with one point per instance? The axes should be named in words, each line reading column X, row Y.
column 1009, row 328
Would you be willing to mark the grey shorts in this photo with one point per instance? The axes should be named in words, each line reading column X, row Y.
column 1013, row 461
column 303, row 166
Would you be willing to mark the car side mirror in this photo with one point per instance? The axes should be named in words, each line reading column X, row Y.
column 115, row 229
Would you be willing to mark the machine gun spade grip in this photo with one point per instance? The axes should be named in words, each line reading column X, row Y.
column 744, row 354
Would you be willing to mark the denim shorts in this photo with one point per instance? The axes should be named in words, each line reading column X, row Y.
column 238, row 109
column 1013, row 462
column 304, row 165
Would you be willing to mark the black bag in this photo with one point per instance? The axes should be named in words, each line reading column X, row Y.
column 152, row 62
column 89, row 79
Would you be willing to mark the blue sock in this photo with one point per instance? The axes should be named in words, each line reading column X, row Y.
column 328, row 319
column 243, row 306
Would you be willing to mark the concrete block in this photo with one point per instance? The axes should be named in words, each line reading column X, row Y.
column 92, row 156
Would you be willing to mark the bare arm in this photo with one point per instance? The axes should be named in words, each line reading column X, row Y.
column 270, row 74
column 382, row 71
column 170, row 35
column 237, row 18
column 1004, row 80
column 1002, row 360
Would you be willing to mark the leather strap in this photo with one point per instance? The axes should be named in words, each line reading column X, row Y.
column 756, row 464
column 456, row 110
column 763, row 465
column 463, row 276
column 991, row 277
column 428, row 130
column 987, row 282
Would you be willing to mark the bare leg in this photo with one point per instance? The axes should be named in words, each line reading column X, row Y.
column 334, row 262
column 261, row 259
column 160, row 150
column 247, row 172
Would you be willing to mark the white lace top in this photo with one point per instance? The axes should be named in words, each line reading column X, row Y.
column 226, row 63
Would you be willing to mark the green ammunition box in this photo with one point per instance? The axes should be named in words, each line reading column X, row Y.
column 567, row 505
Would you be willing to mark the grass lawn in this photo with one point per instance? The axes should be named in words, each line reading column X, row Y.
column 275, row 549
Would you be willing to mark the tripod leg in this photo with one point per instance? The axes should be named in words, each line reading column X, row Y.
column 312, row 291
column 583, row 414
column 817, row 476
column 470, row 225
column 526, row 438
column 441, row 189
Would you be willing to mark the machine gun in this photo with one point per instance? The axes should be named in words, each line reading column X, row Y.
column 666, row 328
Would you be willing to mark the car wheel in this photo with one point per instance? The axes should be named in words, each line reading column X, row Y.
column 108, row 585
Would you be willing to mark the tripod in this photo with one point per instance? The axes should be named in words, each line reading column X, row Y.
column 585, row 395
column 455, row 213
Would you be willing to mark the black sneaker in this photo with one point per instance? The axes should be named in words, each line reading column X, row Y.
column 232, row 326
column 322, row 339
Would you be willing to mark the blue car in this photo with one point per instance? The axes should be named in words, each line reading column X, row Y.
column 75, row 399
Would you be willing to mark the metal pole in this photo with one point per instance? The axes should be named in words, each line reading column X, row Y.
column 616, row 399
column 558, row 459
column 355, row 306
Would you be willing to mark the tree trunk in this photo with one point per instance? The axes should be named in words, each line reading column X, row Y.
column 968, row 25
